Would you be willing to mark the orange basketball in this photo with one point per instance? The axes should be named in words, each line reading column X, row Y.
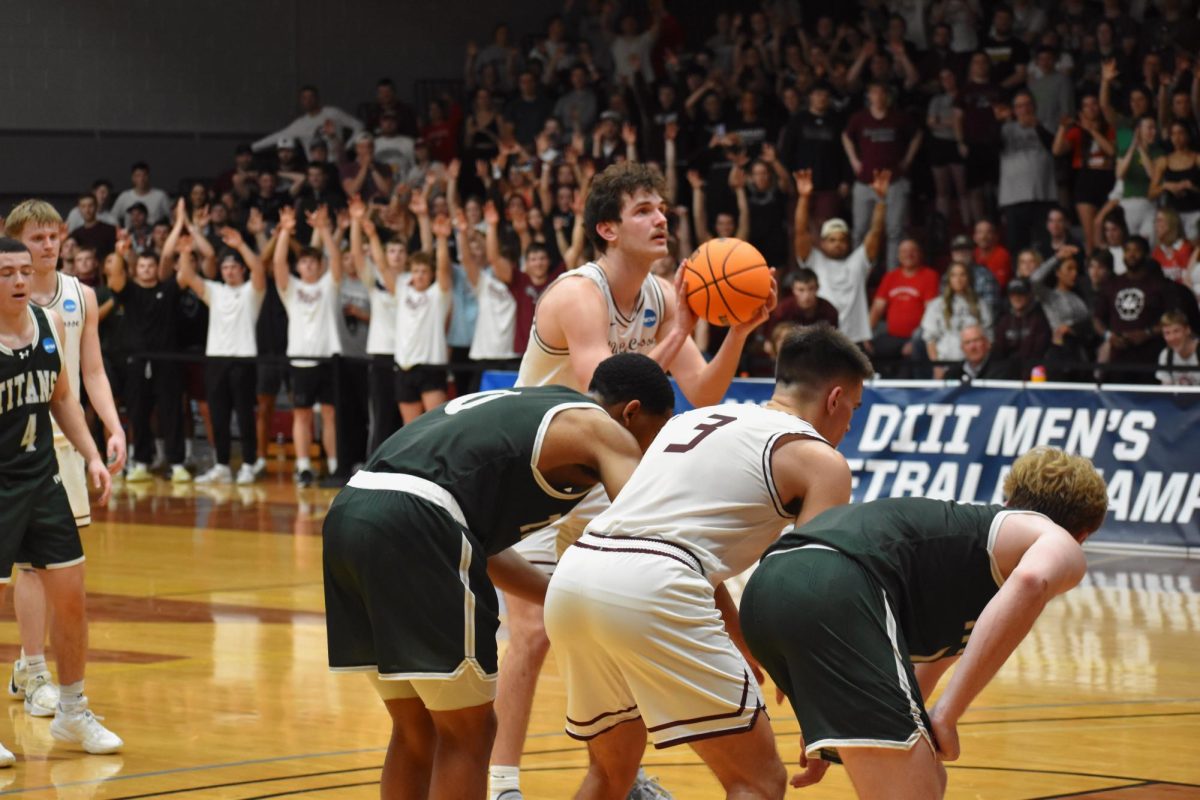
column 727, row 281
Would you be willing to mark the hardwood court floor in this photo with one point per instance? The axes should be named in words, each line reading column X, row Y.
column 208, row 657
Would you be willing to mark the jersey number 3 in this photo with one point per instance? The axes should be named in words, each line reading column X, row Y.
column 705, row 429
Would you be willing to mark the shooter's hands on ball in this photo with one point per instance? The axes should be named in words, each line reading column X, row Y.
column 763, row 314
column 685, row 319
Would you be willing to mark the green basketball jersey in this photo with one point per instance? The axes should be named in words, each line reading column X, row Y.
column 483, row 449
column 27, row 380
column 932, row 557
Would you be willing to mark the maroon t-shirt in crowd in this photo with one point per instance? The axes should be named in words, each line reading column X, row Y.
column 906, row 296
column 880, row 143
column 979, row 119
column 789, row 310
column 526, row 295
column 1134, row 303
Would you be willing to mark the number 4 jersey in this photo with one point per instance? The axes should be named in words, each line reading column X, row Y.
column 27, row 379
column 705, row 484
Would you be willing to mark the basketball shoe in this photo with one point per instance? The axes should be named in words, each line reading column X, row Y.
column 647, row 788
column 80, row 726
column 38, row 691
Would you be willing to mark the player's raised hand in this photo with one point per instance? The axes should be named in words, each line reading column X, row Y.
column 101, row 480
column 814, row 769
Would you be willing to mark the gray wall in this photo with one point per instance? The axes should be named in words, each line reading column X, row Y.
column 88, row 87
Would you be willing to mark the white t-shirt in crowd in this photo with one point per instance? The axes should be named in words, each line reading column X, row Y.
column 1184, row 378
column 232, row 315
column 496, row 325
column 381, row 332
column 421, row 324
column 158, row 205
column 312, row 318
column 844, row 284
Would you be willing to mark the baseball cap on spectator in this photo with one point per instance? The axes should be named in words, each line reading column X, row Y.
column 285, row 143
column 962, row 242
column 318, row 143
column 833, row 226
column 610, row 116
column 1018, row 286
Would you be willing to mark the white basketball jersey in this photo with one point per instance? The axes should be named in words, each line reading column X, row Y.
column 313, row 309
column 638, row 333
column 421, row 324
column 705, row 484
column 497, row 321
column 68, row 304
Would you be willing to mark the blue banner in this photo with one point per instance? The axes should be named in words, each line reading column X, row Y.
column 957, row 442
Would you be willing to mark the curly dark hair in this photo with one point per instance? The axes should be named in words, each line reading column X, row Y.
column 609, row 190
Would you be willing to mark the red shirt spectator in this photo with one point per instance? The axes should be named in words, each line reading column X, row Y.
column 1174, row 258
column 906, row 293
column 441, row 132
column 991, row 254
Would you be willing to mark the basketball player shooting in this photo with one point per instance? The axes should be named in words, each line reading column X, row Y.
column 611, row 305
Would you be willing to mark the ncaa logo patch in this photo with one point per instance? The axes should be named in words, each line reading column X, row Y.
column 650, row 318
column 48, row 345
column 70, row 305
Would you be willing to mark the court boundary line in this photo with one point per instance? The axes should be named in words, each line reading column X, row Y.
column 198, row 768
column 1086, row 792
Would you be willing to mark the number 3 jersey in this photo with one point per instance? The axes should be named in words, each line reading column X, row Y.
column 27, row 379
column 705, row 484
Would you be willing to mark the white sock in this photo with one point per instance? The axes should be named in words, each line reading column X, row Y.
column 70, row 696
column 502, row 779
column 160, row 449
column 332, row 464
column 35, row 665
column 303, row 463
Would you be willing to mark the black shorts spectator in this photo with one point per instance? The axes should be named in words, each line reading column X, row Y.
column 312, row 385
column 411, row 383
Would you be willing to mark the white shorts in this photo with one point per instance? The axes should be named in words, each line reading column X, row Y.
column 636, row 632
column 73, row 470
column 542, row 548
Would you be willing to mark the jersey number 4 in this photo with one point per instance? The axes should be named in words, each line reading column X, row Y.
column 29, row 439
column 705, row 429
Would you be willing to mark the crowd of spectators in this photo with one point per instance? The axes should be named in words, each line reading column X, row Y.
column 968, row 189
